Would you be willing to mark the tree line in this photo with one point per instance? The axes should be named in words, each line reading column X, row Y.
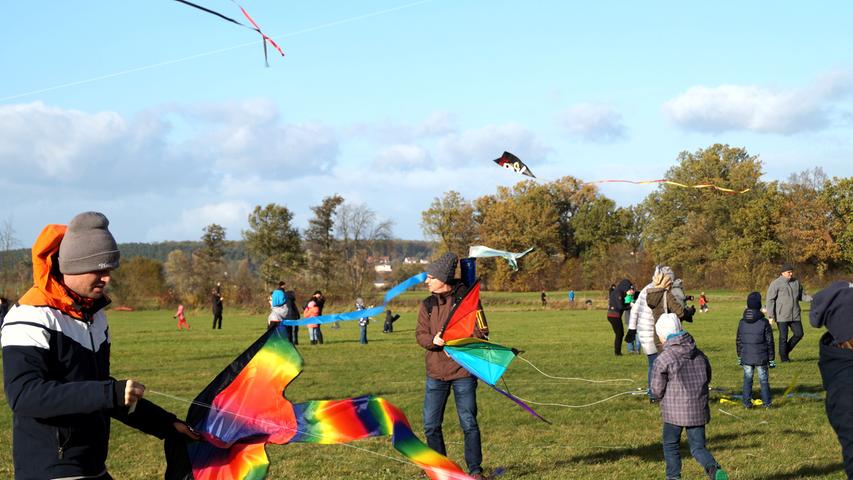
column 582, row 239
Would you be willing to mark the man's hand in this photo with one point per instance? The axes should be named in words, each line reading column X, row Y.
column 771, row 321
column 133, row 391
column 437, row 340
column 185, row 430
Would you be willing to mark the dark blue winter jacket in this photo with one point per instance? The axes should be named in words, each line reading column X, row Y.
column 754, row 338
column 836, row 368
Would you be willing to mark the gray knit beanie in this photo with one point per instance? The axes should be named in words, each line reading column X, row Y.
column 444, row 268
column 88, row 246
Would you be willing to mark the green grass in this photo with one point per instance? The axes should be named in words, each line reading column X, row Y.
column 616, row 439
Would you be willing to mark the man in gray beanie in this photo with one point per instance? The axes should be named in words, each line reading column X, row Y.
column 443, row 373
column 56, row 360
column 783, row 307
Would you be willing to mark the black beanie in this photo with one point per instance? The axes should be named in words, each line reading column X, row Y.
column 832, row 307
column 753, row 301
column 786, row 267
column 444, row 268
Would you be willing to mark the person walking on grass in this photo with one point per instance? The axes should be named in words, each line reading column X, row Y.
column 833, row 308
column 442, row 373
column 755, row 350
column 390, row 318
column 615, row 309
column 311, row 311
column 362, row 322
column 56, row 360
column 216, row 299
column 783, row 307
column 182, row 320
column 703, row 302
column 680, row 379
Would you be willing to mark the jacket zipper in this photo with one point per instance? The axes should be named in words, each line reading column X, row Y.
column 60, row 445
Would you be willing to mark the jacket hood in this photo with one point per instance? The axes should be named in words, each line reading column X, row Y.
column 682, row 345
column 623, row 286
column 751, row 315
column 47, row 290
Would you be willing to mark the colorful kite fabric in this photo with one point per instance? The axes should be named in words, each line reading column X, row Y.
column 483, row 359
column 368, row 312
column 479, row 251
column 514, row 163
column 244, row 408
column 254, row 26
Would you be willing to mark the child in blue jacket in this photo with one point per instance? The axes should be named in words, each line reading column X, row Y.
column 755, row 349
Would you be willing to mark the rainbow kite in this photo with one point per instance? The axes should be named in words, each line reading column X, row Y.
column 244, row 408
column 482, row 358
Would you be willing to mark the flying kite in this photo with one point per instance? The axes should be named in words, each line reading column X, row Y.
column 245, row 408
column 254, row 26
column 485, row 360
column 480, row 251
column 514, row 163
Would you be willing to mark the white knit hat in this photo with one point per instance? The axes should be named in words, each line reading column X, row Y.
column 666, row 325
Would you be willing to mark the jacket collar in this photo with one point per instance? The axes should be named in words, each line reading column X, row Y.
column 47, row 289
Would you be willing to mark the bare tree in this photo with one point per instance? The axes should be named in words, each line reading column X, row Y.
column 359, row 234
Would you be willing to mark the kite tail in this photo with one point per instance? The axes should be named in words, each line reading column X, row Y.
column 520, row 403
column 342, row 421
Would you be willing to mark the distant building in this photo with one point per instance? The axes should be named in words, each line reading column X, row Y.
column 382, row 267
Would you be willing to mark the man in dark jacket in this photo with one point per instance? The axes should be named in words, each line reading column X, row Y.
column 783, row 307
column 755, row 350
column 444, row 374
column 833, row 309
column 56, row 360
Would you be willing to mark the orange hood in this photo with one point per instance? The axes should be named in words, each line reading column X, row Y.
column 47, row 290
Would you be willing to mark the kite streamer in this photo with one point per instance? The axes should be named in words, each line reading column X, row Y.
column 670, row 182
column 357, row 314
column 480, row 251
column 254, row 26
column 244, row 408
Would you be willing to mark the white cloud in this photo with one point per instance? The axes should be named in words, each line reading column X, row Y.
column 436, row 124
column 593, row 123
column 489, row 142
column 759, row 109
column 190, row 223
column 397, row 157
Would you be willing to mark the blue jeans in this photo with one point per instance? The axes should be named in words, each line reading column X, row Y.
column 465, row 395
column 763, row 379
column 363, row 337
column 651, row 359
column 696, row 439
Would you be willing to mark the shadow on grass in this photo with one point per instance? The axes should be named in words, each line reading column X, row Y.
column 807, row 471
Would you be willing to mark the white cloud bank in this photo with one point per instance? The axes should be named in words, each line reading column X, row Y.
column 760, row 109
column 593, row 123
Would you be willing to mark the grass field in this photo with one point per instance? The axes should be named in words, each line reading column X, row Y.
column 619, row 438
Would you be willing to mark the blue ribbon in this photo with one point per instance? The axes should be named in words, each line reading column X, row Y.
column 357, row 314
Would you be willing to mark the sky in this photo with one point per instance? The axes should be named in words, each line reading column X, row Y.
column 166, row 118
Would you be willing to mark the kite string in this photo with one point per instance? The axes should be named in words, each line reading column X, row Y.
column 615, row 380
column 277, row 425
column 630, row 392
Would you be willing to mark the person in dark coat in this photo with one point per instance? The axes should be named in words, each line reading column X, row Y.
column 755, row 349
column 616, row 306
column 216, row 299
column 292, row 314
column 833, row 308
column 389, row 321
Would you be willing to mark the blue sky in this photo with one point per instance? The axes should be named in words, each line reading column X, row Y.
column 166, row 119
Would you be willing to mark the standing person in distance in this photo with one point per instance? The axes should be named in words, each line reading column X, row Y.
column 216, row 299
column 783, row 307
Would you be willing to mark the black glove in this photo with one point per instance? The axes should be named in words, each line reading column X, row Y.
column 630, row 336
column 688, row 313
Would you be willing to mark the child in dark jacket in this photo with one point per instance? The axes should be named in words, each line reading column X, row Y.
column 755, row 350
column 680, row 378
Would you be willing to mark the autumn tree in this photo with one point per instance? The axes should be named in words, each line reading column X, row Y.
column 208, row 263
column 139, row 282
column 273, row 243
column 837, row 194
column 450, row 220
column 180, row 276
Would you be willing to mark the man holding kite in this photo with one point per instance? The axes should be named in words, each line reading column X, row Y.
column 443, row 373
